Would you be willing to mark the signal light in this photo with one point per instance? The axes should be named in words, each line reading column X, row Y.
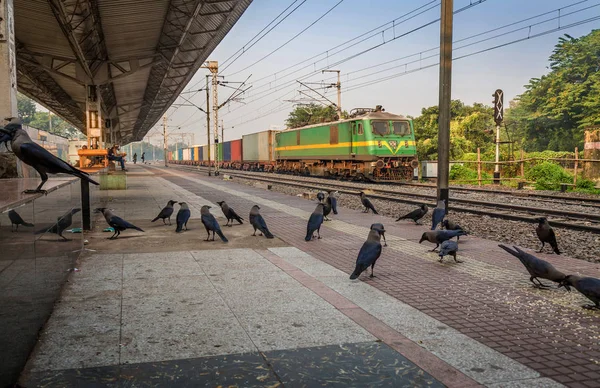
column 498, row 106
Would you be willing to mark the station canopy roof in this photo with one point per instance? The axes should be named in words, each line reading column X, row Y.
column 140, row 53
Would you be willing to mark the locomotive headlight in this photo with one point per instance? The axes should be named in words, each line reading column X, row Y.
column 374, row 164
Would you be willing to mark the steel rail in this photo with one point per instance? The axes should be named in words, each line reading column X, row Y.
column 398, row 197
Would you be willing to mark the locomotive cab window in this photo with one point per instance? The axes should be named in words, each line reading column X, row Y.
column 380, row 128
column 361, row 130
column 401, row 128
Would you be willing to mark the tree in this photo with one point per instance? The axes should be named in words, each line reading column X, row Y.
column 557, row 107
column 311, row 114
column 470, row 127
column 26, row 108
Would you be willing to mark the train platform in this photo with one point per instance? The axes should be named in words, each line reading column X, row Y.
column 165, row 309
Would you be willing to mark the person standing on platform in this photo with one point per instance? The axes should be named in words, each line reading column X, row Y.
column 143, row 158
column 112, row 155
column 135, row 158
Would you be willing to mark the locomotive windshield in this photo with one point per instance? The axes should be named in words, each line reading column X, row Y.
column 401, row 128
column 380, row 128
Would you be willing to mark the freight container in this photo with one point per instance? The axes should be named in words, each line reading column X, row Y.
column 236, row 150
column 220, row 152
column 259, row 147
column 180, row 154
column 186, row 154
column 226, row 153
column 192, row 153
column 205, row 153
column 197, row 153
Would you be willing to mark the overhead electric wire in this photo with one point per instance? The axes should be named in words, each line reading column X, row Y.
column 290, row 40
column 387, row 78
column 289, row 83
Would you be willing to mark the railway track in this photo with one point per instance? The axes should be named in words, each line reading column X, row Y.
column 588, row 221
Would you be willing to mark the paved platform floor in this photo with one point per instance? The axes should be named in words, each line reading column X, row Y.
column 165, row 309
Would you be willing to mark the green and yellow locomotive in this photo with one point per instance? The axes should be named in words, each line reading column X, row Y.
column 371, row 145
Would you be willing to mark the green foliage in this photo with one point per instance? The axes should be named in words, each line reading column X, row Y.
column 41, row 120
column 548, row 176
column 555, row 108
column 586, row 186
column 462, row 173
column 471, row 127
column 311, row 114
column 26, row 108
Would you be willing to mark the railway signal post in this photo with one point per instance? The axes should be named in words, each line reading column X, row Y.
column 498, row 117
column 444, row 105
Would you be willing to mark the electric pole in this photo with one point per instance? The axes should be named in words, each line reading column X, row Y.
column 213, row 67
column 165, row 138
column 445, row 100
column 338, row 86
column 498, row 117
column 208, row 123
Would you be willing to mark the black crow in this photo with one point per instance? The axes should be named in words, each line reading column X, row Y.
column 438, row 214
column 62, row 223
column 210, row 224
column 38, row 157
column 367, row 204
column 439, row 236
column 230, row 214
column 449, row 247
column 258, row 222
column 546, row 234
column 115, row 222
column 382, row 229
column 166, row 212
column 536, row 267
column 183, row 216
column 332, row 201
column 16, row 219
column 369, row 253
column 314, row 223
column 590, row 287
column 416, row 214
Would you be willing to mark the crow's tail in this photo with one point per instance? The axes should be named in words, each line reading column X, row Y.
column 308, row 237
column 374, row 211
column 334, row 211
column 157, row 217
column 267, row 233
column 239, row 219
column 179, row 227
column 555, row 248
column 136, row 228
column 222, row 236
column 30, row 225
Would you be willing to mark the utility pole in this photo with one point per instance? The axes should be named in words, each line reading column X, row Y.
column 338, row 86
column 50, row 122
column 208, row 123
column 222, row 132
column 445, row 99
column 165, row 138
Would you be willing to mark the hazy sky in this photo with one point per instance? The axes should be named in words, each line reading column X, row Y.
column 474, row 78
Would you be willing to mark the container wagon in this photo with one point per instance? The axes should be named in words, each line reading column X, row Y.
column 258, row 150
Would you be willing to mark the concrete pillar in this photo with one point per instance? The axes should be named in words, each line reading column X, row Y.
column 8, row 83
column 94, row 121
column 8, row 61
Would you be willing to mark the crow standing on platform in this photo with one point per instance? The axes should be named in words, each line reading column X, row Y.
column 449, row 248
column 416, row 214
column 439, row 236
column 546, row 234
column 62, row 223
column 210, row 224
column 590, row 287
column 166, row 212
column 326, row 211
column 38, row 157
column 115, row 222
column 451, row 225
column 314, row 223
column 183, row 216
column 258, row 222
column 15, row 219
column 537, row 268
column 382, row 229
column 230, row 214
column 369, row 253
column 367, row 204
column 332, row 201
column 438, row 214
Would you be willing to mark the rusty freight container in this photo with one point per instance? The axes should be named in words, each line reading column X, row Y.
column 236, row 150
